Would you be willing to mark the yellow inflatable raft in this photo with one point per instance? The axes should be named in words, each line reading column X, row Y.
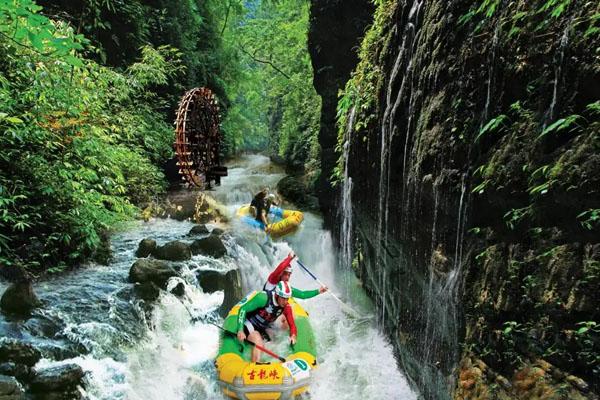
column 242, row 379
column 289, row 223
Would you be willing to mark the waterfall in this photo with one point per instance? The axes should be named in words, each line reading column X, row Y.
column 490, row 81
column 453, row 277
column 558, row 64
column 346, row 233
column 388, row 131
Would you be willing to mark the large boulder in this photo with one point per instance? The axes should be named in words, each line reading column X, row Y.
column 211, row 281
column 19, row 299
column 147, row 291
column 18, row 352
column 230, row 283
column 147, row 270
column 146, row 247
column 233, row 291
column 173, row 251
column 211, row 246
column 198, row 230
column 217, row 232
column 19, row 371
column 10, row 389
column 60, row 378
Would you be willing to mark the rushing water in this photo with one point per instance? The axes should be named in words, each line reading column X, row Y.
column 93, row 318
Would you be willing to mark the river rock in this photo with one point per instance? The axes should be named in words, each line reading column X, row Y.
column 61, row 378
column 19, row 352
column 233, row 291
column 147, row 291
column 229, row 283
column 19, row 371
column 211, row 281
column 173, row 251
column 209, row 246
column 180, row 205
column 19, row 299
column 10, row 389
column 217, row 232
column 148, row 270
column 178, row 290
column 198, row 230
column 145, row 248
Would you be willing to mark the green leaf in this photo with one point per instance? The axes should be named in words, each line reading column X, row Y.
column 74, row 61
column 561, row 124
column 491, row 126
column 13, row 120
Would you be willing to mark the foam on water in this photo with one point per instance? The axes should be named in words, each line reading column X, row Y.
column 133, row 354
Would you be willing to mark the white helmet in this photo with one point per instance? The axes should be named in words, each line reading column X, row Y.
column 283, row 289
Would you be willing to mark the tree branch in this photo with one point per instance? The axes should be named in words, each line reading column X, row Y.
column 226, row 17
column 268, row 62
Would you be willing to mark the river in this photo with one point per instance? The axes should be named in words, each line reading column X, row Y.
column 91, row 316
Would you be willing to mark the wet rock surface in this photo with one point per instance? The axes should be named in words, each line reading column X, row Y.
column 293, row 189
column 19, row 299
column 173, row 251
column 335, row 30
column 211, row 246
column 199, row 230
column 59, row 379
column 10, row 389
column 18, row 352
column 145, row 248
column 157, row 272
column 468, row 212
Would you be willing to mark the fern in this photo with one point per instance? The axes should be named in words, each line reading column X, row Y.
column 491, row 126
column 568, row 123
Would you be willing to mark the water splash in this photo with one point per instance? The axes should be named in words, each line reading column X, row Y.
column 135, row 353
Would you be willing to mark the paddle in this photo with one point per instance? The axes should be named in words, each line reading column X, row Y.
column 261, row 348
column 329, row 291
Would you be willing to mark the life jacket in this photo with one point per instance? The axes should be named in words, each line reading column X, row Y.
column 263, row 317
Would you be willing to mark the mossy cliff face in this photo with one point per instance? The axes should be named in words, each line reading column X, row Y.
column 472, row 133
column 336, row 28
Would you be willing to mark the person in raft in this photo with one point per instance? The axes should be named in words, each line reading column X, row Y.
column 257, row 315
column 259, row 209
column 283, row 272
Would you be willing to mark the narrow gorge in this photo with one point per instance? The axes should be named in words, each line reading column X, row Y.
column 464, row 150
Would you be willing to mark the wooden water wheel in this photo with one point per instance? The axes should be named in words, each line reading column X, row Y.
column 198, row 139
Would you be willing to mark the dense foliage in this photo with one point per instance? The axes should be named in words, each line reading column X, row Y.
column 274, row 104
column 119, row 29
column 89, row 91
column 79, row 140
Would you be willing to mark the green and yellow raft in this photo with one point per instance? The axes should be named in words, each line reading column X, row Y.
column 245, row 380
column 289, row 223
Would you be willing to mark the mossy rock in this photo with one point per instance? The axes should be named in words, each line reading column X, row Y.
column 19, row 299
column 198, row 230
column 173, row 251
column 155, row 271
column 59, row 378
column 19, row 352
column 145, row 248
column 211, row 246
column 147, row 291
